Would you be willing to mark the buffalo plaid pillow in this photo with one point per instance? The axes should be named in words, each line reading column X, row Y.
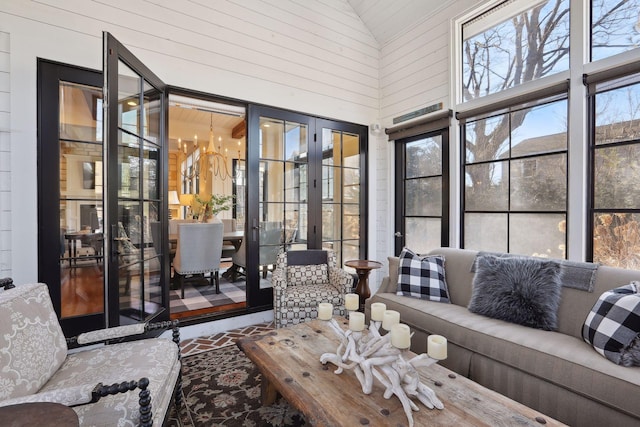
column 613, row 325
column 422, row 277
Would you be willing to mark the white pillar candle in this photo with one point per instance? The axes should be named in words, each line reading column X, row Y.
column 351, row 301
column 437, row 347
column 325, row 311
column 400, row 336
column 377, row 311
column 390, row 318
column 356, row 321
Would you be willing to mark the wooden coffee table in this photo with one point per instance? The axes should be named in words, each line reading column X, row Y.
column 289, row 360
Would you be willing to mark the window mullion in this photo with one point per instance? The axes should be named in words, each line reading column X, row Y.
column 577, row 159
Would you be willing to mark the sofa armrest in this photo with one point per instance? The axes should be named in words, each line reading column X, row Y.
column 69, row 396
column 121, row 332
column 342, row 279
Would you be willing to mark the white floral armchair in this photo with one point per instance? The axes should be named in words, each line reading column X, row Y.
column 99, row 383
column 301, row 280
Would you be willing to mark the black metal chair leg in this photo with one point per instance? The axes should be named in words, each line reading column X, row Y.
column 217, row 279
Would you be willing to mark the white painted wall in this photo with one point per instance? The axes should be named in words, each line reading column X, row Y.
column 414, row 73
column 313, row 57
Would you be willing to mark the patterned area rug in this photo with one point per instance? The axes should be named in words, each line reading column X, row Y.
column 202, row 295
column 222, row 388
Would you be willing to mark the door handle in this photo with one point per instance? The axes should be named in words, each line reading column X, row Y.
column 398, row 234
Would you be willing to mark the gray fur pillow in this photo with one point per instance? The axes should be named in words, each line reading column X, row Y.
column 520, row 290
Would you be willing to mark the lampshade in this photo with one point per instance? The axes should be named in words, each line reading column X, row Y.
column 186, row 199
column 173, row 198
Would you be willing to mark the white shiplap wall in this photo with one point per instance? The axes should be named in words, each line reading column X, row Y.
column 5, row 156
column 309, row 56
column 414, row 73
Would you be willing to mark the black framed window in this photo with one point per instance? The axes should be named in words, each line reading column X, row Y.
column 515, row 180
column 615, row 172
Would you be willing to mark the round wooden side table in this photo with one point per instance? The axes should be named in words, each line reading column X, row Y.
column 38, row 414
column 363, row 267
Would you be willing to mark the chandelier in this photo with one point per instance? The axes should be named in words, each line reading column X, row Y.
column 217, row 162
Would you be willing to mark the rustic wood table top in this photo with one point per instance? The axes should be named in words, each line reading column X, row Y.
column 289, row 360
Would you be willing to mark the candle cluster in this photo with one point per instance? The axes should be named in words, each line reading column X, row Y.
column 400, row 334
column 383, row 357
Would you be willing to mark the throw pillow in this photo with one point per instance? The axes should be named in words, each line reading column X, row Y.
column 613, row 325
column 525, row 291
column 422, row 277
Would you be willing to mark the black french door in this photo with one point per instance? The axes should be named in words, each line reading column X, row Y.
column 136, row 214
column 422, row 192
column 306, row 190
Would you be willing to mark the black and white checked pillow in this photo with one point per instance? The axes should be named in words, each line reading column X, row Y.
column 613, row 325
column 422, row 277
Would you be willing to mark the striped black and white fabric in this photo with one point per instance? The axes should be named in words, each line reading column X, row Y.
column 614, row 323
column 422, row 277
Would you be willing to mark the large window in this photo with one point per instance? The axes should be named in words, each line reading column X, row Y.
column 616, row 172
column 526, row 121
column 516, row 181
column 514, row 43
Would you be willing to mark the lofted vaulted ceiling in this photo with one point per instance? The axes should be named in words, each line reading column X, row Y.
column 388, row 18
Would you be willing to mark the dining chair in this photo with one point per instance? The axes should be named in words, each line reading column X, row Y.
column 198, row 252
column 270, row 247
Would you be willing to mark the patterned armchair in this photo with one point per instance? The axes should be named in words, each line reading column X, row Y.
column 301, row 280
column 99, row 383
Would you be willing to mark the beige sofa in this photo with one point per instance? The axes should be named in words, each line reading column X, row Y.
column 556, row 373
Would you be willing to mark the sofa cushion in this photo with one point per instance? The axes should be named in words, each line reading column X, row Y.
column 613, row 325
column 525, row 291
column 310, row 295
column 32, row 345
column 422, row 277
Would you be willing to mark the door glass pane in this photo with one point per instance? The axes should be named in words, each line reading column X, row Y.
column 80, row 112
column 351, row 224
column 81, row 208
column 152, row 114
column 138, row 181
column 128, row 99
column 283, row 191
column 128, row 168
column 271, row 139
column 340, row 190
column 330, row 224
column 151, row 171
column 423, row 196
column 424, row 157
column 422, row 234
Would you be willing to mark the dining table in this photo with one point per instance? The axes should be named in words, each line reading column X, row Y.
column 235, row 237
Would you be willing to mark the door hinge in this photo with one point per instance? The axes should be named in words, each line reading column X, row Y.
column 314, row 229
column 315, row 183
